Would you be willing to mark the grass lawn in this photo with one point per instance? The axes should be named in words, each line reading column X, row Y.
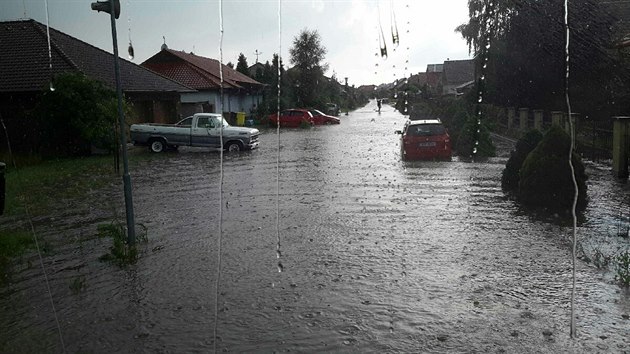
column 36, row 188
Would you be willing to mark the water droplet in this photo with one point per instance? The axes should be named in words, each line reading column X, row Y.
column 280, row 267
column 52, row 87
column 480, row 99
column 130, row 51
column 474, row 150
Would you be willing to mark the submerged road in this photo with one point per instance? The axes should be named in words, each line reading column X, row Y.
column 369, row 254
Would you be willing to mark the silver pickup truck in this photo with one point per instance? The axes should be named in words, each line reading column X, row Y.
column 201, row 129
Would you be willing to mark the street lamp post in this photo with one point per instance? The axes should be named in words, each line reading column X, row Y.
column 113, row 8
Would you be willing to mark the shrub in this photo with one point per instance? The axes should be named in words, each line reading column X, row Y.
column 80, row 112
column 622, row 268
column 545, row 177
column 510, row 176
column 471, row 141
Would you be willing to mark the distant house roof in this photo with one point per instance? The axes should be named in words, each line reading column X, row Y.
column 457, row 72
column 435, row 68
column 198, row 72
column 24, row 61
column 252, row 69
column 419, row 79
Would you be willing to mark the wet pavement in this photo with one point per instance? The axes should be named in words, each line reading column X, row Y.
column 377, row 255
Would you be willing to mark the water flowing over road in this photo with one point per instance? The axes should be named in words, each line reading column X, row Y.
column 378, row 255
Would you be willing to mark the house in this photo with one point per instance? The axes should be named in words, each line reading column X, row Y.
column 457, row 74
column 25, row 73
column 256, row 70
column 434, row 78
column 240, row 92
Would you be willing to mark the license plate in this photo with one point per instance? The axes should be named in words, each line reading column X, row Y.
column 427, row 144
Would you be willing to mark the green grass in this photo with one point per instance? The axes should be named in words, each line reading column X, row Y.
column 121, row 252
column 38, row 186
column 13, row 244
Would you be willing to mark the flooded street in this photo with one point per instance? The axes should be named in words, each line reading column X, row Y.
column 376, row 255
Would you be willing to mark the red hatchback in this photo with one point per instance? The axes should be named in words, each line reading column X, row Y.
column 292, row 118
column 425, row 140
column 321, row 118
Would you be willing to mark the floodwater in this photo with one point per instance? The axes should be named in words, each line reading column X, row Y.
column 377, row 255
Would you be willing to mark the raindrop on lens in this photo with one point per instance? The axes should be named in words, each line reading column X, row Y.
column 130, row 51
column 52, row 87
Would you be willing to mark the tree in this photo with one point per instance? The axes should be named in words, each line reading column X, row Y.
column 520, row 47
column 307, row 55
column 230, row 65
column 81, row 112
column 241, row 65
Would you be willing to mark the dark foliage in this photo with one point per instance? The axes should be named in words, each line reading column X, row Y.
column 241, row 65
column 511, row 173
column 545, row 178
column 80, row 113
column 520, row 46
column 474, row 139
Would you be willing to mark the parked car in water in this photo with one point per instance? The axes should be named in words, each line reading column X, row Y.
column 292, row 118
column 425, row 139
column 321, row 118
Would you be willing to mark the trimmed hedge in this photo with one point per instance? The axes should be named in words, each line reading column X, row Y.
column 545, row 176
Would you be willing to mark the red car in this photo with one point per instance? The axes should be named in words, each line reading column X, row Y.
column 321, row 118
column 425, row 140
column 292, row 118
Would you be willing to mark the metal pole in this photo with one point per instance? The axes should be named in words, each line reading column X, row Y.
column 131, row 231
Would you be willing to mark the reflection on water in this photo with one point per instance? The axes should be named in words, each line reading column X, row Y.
column 378, row 255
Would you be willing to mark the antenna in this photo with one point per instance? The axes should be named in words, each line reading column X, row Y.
column 257, row 53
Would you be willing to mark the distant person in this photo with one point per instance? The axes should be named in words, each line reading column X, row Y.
column 378, row 104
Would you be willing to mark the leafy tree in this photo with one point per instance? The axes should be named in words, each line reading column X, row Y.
column 307, row 55
column 241, row 65
column 80, row 112
column 520, row 47
column 230, row 65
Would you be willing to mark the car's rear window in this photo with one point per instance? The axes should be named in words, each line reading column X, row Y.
column 425, row 129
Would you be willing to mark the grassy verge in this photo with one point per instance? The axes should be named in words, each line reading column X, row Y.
column 39, row 185
column 13, row 244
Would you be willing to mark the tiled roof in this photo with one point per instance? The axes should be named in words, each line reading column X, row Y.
column 198, row 72
column 24, row 62
column 459, row 71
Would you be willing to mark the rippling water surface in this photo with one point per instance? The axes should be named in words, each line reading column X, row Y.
column 378, row 256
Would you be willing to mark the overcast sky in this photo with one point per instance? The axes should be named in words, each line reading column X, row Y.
column 349, row 30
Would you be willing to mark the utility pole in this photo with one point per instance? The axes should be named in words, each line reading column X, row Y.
column 113, row 8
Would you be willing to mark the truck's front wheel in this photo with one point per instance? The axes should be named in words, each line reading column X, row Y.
column 157, row 145
column 234, row 146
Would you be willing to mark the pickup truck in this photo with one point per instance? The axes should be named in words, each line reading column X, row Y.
column 201, row 129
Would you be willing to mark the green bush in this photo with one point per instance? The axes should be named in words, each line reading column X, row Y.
column 81, row 112
column 622, row 268
column 511, row 173
column 545, row 178
column 470, row 142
